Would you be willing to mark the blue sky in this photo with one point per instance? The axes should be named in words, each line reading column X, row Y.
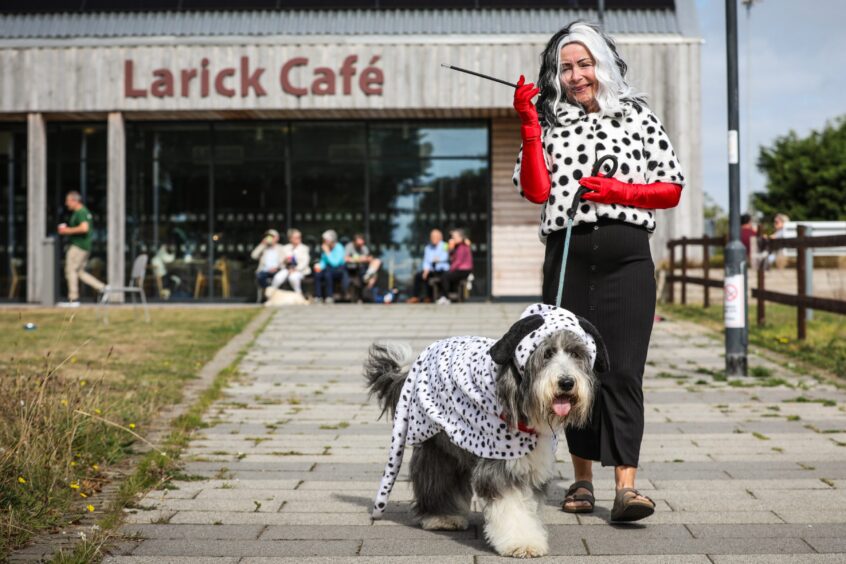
column 797, row 80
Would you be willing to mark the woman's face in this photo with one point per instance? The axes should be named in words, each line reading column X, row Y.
column 577, row 72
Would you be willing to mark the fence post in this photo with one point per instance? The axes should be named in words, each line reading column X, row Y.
column 801, row 312
column 761, row 302
column 706, row 259
column 671, row 294
column 684, row 271
column 809, row 271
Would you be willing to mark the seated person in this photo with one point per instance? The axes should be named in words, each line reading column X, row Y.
column 460, row 264
column 331, row 267
column 435, row 260
column 269, row 254
column 295, row 260
column 360, row 263
column 159, row 263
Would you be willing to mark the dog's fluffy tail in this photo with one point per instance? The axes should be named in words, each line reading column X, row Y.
column 385, row 370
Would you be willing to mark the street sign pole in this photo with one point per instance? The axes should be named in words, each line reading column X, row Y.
column 735, row 294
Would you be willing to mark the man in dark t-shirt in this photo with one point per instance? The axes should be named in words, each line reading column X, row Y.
column 78, row 231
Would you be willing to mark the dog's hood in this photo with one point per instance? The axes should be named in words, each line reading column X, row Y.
column 554, row 319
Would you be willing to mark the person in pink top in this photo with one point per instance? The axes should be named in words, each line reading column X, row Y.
column 460, row 263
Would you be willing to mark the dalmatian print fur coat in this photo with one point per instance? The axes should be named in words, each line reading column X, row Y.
column 634, row 135
column 451, row 387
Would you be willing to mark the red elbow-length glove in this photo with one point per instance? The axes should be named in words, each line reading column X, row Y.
column 655, row 196
column 534, row 177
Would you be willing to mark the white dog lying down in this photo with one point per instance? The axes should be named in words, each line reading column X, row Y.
column 283, row 298
column 483, row 416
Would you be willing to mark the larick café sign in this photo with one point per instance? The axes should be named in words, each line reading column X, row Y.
column 246, row 79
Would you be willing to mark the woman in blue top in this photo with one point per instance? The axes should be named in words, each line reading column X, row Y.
column 330, row 268
column 435, row 261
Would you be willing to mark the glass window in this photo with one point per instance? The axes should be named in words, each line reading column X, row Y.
column 13, row 216
column 409, row 198
column 249, row 196
column 77, row 161
column 201, row 196
column 424, row 140
column 168, row 215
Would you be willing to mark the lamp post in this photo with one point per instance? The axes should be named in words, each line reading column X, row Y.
column 734, row 295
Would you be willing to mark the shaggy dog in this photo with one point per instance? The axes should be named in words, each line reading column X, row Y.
column 483, row 416
column 283, row 298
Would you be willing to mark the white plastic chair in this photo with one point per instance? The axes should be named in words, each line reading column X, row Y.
column 136, row 286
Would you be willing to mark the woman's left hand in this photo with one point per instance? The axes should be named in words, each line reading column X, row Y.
column 658, row 195
column 605, row 190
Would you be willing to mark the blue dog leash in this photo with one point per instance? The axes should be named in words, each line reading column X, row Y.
column 571, row 213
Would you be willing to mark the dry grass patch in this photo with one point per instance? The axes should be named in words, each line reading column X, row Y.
column 76, row 395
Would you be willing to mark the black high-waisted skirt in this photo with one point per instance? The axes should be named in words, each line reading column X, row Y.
column 610, row 281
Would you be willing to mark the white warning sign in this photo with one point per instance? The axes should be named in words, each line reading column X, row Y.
column 735, row 302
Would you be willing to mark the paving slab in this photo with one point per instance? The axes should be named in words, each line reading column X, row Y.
column 294, row 451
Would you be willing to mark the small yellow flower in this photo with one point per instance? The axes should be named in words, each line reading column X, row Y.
column 82, row 383
column 64, row 402
column 73, row 463
column 97, row 410
column 73, row 360
column 21, row 480
column 132, row 425
column 74, row 486
column 90, row 508
column 82, row 494
column 95, row 467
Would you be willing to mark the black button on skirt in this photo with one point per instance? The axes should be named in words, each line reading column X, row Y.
column 610, row 281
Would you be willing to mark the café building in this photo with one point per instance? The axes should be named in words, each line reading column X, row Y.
column 190, row 130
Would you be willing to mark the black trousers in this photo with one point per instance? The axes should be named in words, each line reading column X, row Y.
column 610, row 281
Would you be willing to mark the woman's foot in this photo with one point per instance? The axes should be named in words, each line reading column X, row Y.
column 630, row 505
column 579, row 498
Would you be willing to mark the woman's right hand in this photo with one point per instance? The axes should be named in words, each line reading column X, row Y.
column 523, row 95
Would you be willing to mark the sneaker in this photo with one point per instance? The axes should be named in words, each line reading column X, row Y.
column 443, row 300
column 330, row 300
column 68, row 304
column 318, row 300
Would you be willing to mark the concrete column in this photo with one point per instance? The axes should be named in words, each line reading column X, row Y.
column 36, row 194
column 116, row 203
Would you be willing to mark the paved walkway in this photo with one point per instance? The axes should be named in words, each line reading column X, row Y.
column 742, row 472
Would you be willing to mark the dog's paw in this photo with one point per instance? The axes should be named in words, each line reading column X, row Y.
column 526, row 551
column 444, row 523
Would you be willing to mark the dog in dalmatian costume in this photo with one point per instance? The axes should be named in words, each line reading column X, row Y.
column 483, row 416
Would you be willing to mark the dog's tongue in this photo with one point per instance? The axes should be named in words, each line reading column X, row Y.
column 561, row 406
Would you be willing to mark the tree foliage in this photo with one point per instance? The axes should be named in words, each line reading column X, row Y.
column 806, row 176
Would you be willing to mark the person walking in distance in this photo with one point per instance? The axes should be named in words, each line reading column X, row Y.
column 78, row 231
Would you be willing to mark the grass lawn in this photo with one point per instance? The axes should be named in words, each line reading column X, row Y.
column 74, row 394
column 825, row 346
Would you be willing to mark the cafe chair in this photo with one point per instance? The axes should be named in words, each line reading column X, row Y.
column 16, row 278
column 136, row 286
column 220, row 271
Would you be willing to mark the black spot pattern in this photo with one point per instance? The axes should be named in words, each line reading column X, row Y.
column 627, row 136
column 451, row 388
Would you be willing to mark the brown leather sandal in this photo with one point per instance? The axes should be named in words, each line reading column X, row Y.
column 627, row 506
column 572, row 497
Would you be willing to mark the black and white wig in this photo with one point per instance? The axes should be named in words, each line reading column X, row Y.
column 609, row 68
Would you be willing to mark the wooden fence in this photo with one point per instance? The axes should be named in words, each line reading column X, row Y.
column 801, row 300
column 706, row 243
